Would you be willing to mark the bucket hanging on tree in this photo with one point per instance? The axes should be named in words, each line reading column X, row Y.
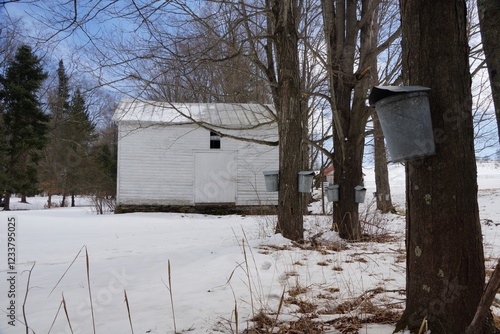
column 405, row 118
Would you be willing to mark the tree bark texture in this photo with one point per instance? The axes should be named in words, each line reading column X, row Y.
column 348, row 174
column 290, row 118
column 489, row 19
column 445, row 261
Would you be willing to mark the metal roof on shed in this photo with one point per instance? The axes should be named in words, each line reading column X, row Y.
column 235, row 115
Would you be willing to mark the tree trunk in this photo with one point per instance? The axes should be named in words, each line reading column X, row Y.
column 349, row 90
column 489, row 18
column 6, row 201
column 383, row 192
column 290, row 201
column 73, row 200
column 63, row 201
column 383, row 188
column 445, row 261
column 49, row 201
column 24, row 199
column 348, row 174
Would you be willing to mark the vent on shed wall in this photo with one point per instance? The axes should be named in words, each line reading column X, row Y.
column 214, row 140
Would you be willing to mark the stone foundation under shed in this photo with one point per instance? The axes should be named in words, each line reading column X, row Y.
column 218, row 210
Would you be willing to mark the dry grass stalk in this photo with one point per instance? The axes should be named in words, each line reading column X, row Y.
column 66, row 313
column 55, row 318
column 128, row 311
column 236, row 316
column 169, row 287
column 282, row 299
column 90, row 289
column 67, row 269
column 249, row 279
column 424, row 327
column 26, row 297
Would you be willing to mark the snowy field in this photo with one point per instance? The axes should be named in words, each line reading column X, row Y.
column 223, row 269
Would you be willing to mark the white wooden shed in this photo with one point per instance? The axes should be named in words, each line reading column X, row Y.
column 183, row 157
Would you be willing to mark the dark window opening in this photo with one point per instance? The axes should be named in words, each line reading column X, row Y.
column 214, row 140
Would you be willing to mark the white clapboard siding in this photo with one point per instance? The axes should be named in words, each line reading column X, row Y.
column 252, row 162
column 155, row 165
column 171, row 163
column 251, row 183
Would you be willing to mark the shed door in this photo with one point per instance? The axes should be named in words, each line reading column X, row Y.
column 215, row 177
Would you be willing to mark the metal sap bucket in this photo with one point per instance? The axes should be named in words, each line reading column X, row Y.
column 359, row 194
column 272, row 180
column 306, row 181
column 405, row 118
column 332, row 192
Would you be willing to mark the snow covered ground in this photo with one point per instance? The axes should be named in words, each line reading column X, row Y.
column 223, row 269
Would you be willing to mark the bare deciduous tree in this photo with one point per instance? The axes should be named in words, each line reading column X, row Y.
column 352, row 48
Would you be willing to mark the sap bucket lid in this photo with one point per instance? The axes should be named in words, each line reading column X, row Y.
column 381, row 92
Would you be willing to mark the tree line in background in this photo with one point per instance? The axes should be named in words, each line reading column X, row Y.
column 49, row 142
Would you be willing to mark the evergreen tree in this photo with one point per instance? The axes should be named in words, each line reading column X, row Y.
column 25, row 124
column 81, row 136
column 83, row 129
column 59, row 103
column 54, row 174
column 66, row 158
